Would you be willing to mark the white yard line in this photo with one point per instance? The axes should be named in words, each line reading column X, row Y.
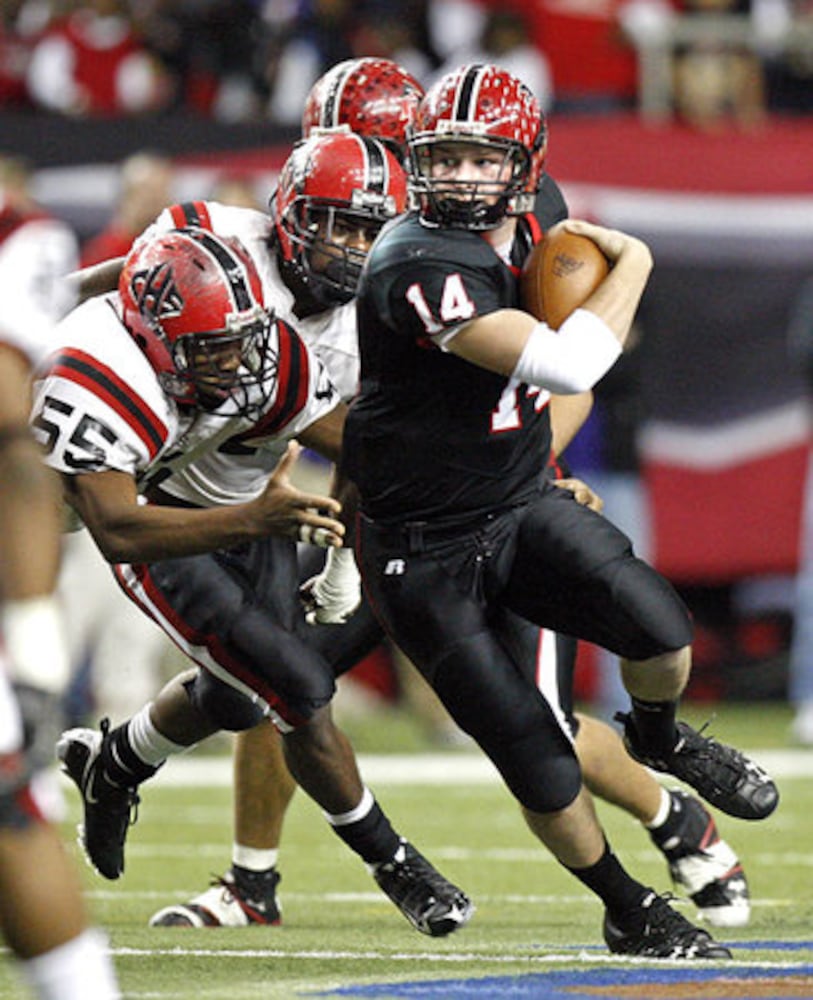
column 195, row 770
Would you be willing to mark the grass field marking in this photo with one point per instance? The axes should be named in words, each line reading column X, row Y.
column 581, row 953
column 342, row 898
column 429, row 768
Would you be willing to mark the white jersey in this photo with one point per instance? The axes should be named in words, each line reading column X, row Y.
column 330, row 335
column 91, row 418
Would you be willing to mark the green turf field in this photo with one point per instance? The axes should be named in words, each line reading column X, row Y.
column 533, row 920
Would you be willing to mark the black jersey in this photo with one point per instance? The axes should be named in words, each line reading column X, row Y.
column 431, row 436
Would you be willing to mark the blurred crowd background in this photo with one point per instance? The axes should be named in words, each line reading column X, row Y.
column 254, row 60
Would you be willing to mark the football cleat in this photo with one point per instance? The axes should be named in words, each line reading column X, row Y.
column 702, row 864
column 429, row 902
column 227, row 903
column 720, row 774
column 108, row 809
column 654, row 930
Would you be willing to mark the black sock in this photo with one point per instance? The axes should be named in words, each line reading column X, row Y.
column 372, row 837
column 255, row 885
column 618, row 890
column 655, row 725
column 119, row 765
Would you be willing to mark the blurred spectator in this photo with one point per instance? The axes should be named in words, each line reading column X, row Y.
column 215, row 51
column 93, row 62
column 236, row 189
column 50, row 243
column 504, row 41
column 396, row 31
column 788, row 24
column 593, row 64
column 304, row 48
column 800, row 666
column 145, row 188
column 16, row 44
column 717, row 81
column 455, row 27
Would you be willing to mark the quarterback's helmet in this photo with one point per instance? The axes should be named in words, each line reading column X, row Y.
column 486, row 106
column 334, row 188
column 373, row 97
column 193, row 303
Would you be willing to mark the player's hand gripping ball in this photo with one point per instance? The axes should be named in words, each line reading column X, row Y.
column 561, row 271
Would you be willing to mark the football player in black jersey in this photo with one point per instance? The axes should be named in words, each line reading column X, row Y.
column 378, row 98
column 458, row 527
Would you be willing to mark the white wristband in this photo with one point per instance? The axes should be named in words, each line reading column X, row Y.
column 35, row 643
column 569, row 360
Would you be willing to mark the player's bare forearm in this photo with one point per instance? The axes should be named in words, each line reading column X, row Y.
column 567, row 415
column 130, row 532
column 97, row 278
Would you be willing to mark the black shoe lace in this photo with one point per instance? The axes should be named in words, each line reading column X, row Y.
column 670, row 925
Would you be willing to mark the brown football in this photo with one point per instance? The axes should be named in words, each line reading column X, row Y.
column 560, row 273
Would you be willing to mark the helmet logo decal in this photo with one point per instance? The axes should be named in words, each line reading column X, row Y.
column 155, row 292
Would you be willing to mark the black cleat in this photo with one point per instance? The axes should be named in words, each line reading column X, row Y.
column 229, row 902
column 702, row 864
column 108, row 809
column 654, row 930
column 720, row 774
column 429, row 902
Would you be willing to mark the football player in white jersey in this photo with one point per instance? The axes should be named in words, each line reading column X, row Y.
column 236, row 613
column 44, row 921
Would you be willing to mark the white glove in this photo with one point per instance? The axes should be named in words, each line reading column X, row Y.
column 335, row 593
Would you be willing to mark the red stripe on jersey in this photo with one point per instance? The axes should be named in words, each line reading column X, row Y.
column 191, row 213
column 217, row 649
column 293, row 380
column 83, row 369
column 534, row 226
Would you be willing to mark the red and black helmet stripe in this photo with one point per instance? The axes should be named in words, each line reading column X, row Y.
column 376, row 168
column 465, row 106
column 233, row 268
column 91, row 374
column 331, row 108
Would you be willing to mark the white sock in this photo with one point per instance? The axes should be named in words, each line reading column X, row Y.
column 81, row 969
column 354, row 815
column 663, row 811
column 255, row 859
column 150, row 745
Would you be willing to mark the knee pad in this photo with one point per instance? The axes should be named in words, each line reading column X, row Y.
column 511, row 721
column 222, row 704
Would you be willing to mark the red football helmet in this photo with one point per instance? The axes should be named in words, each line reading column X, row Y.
column 193, row 303
column 373, row 97
column 335, row 191
column 486, row 106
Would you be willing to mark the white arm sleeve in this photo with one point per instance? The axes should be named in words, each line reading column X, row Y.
column 570, row 360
